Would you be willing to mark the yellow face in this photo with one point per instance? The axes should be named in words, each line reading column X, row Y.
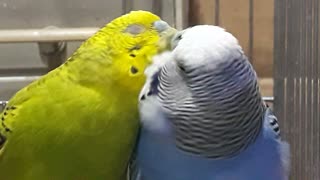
column 135, row 40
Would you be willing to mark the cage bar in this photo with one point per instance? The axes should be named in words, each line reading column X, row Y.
column 46, row 35
column 297, row 83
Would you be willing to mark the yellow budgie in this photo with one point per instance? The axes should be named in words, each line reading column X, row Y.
column 80, row 121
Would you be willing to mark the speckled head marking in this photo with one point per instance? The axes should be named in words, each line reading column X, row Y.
column 210, row 93
column 127, row 44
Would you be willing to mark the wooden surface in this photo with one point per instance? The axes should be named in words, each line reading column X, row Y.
column 262, row 53
column 234, row 17
column 266, row 86
column 201, row 12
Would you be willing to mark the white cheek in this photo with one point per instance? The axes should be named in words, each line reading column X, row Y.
column 158, row 62
column 152, row 116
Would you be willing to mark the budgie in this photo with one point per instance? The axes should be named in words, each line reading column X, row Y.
column 80, row 121
column 203, row 117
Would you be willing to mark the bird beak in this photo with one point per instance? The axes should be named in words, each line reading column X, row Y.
column 166, row 33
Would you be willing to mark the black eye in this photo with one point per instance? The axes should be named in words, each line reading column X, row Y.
column 179, row 37
column 175, row 40
column 181, row 67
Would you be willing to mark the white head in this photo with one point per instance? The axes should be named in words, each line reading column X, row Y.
column 207, row 44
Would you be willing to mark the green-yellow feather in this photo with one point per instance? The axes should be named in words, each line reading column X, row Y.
column 79, row 122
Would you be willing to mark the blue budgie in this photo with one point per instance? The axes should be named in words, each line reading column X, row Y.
column 203, row 117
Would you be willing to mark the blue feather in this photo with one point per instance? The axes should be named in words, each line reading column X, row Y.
column 160, row 159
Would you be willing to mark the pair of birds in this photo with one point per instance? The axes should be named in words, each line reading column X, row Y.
column 201, row 112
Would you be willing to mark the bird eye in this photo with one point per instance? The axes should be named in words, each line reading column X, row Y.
column 175, row 40
column 179, row 37
column 181, row 67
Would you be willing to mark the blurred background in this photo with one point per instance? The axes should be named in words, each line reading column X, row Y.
column 281, row 39
column 22, row 61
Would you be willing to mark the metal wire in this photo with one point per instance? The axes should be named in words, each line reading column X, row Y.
column 268, row 99
column 46, row 35
column 3, row 105
column 17, row 79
